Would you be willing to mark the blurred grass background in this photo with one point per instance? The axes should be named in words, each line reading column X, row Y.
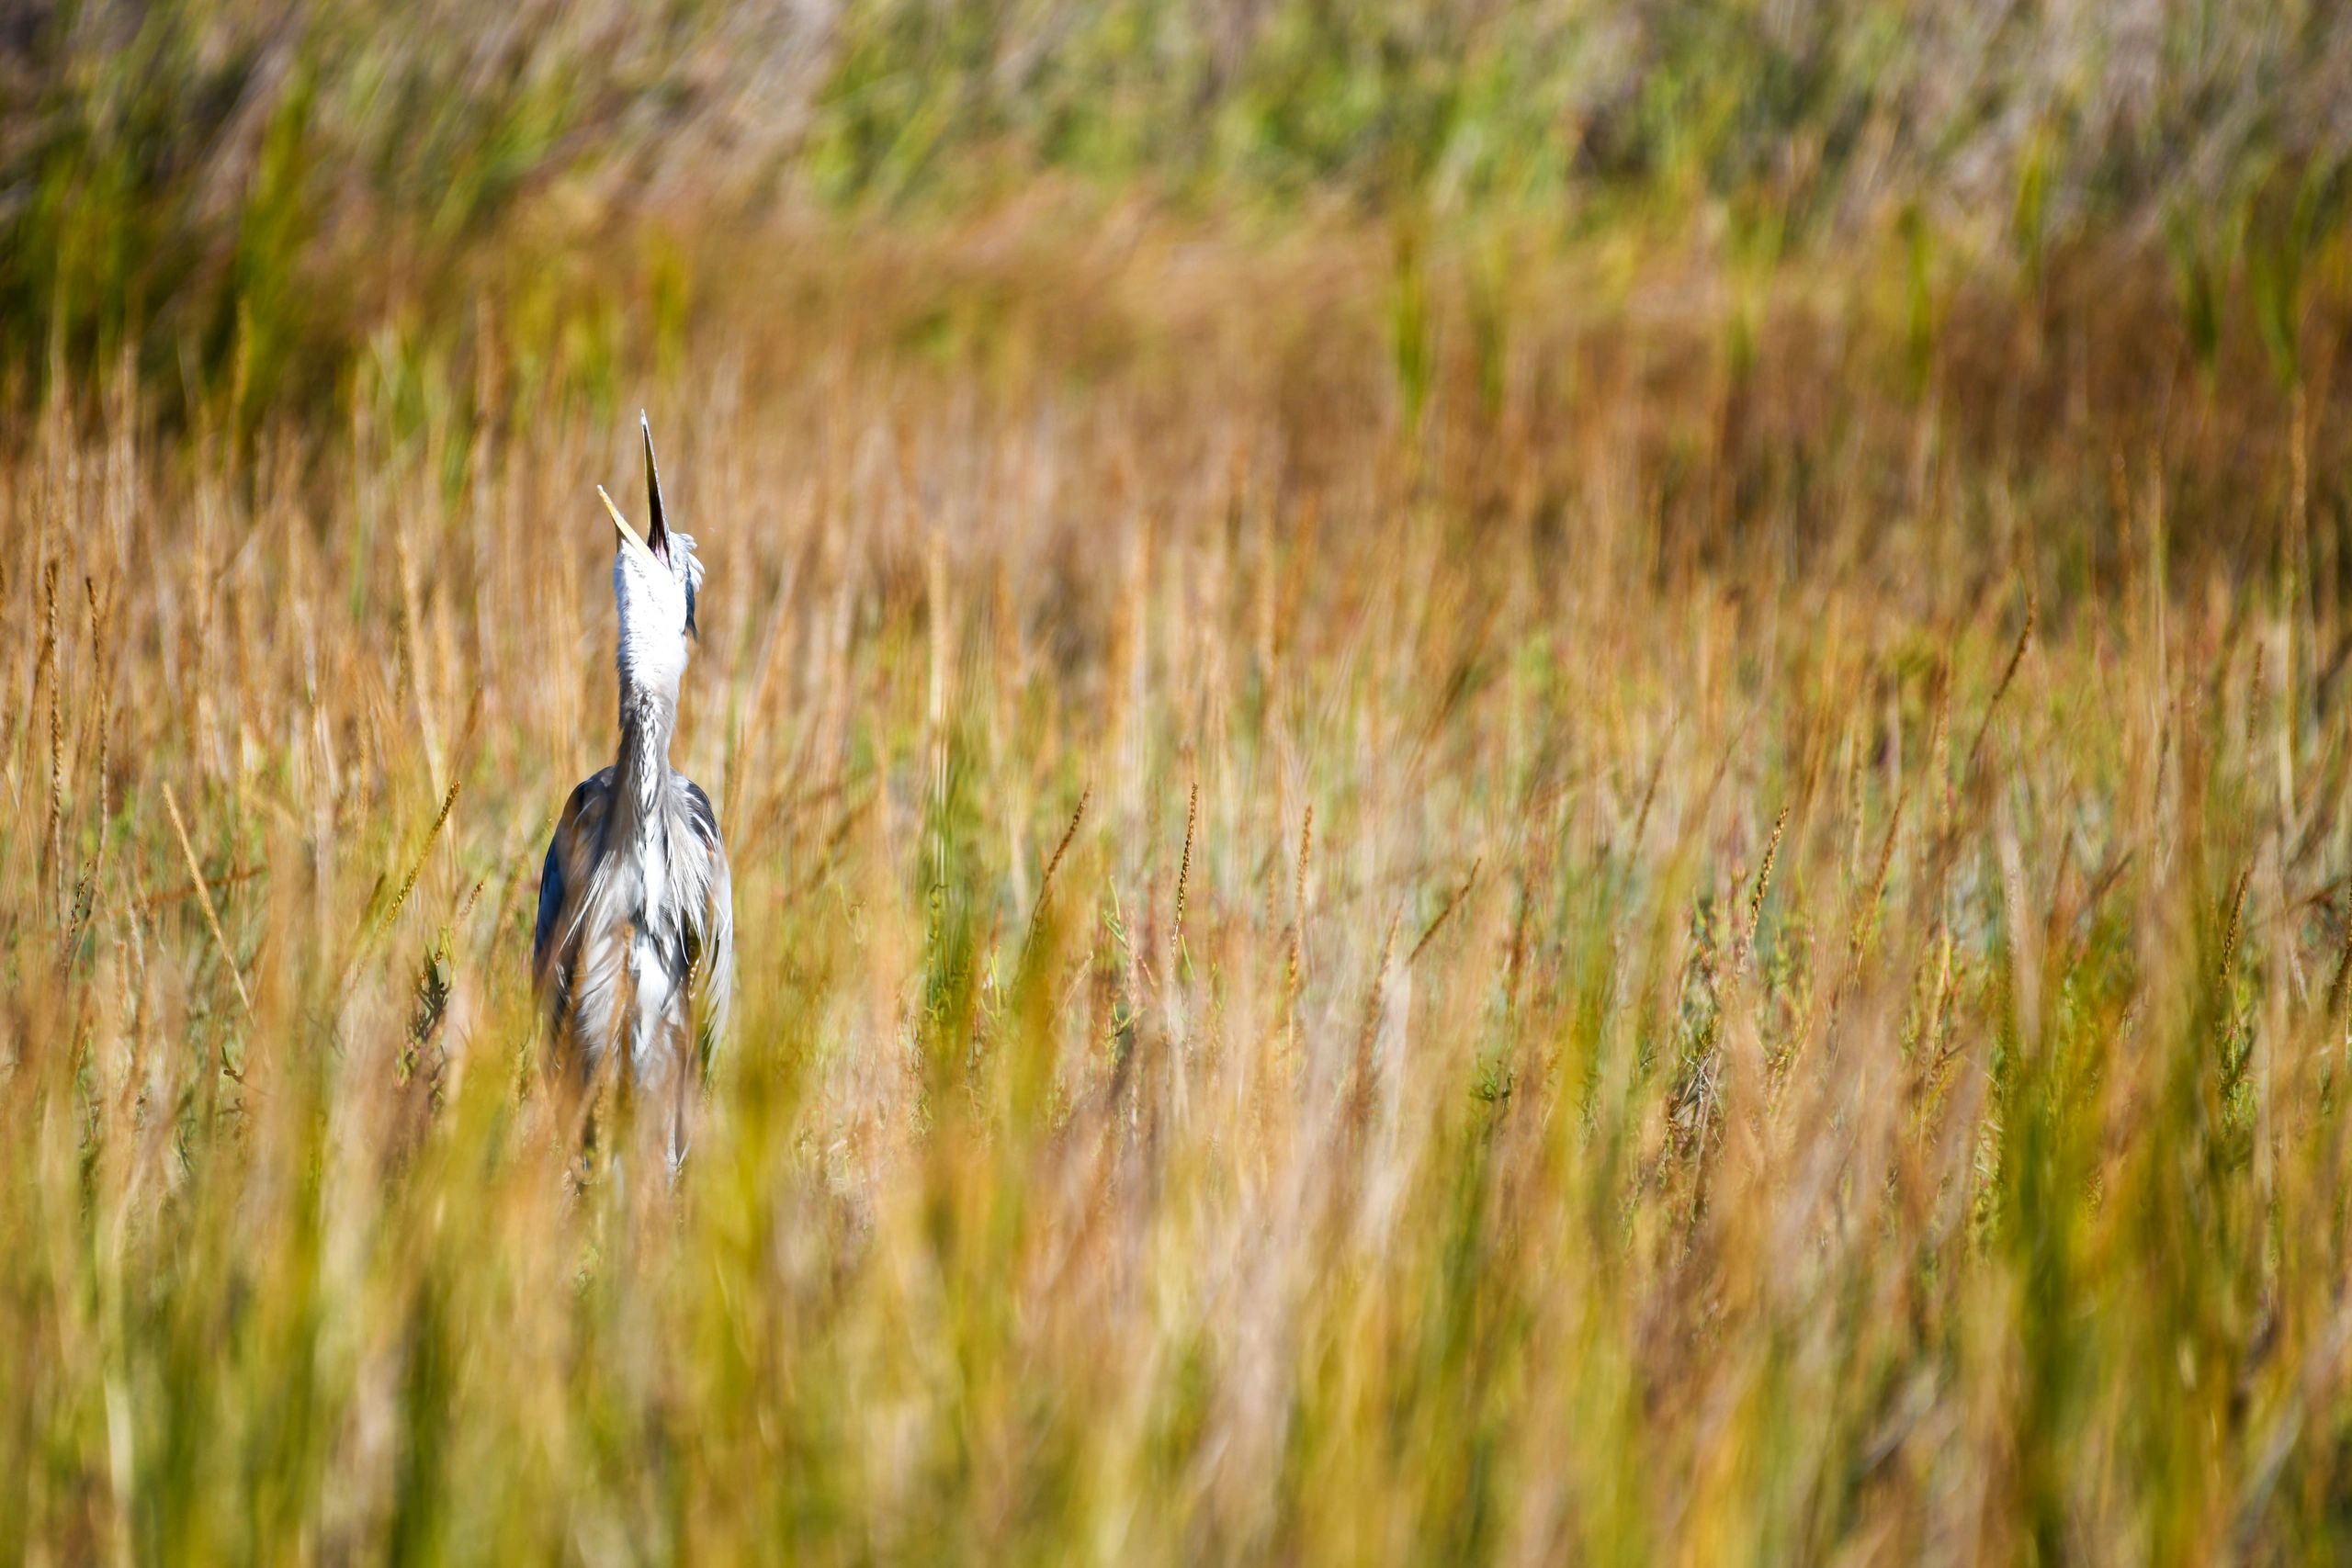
column 244, row 196
column 1508, row 782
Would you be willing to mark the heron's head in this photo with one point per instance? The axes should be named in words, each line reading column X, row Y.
column 655, row 578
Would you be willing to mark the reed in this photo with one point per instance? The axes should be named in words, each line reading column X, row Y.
column 1806, row 753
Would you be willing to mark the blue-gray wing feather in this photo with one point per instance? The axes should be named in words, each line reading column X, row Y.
column 551, row 896
column 714, row 967
column 565, row 876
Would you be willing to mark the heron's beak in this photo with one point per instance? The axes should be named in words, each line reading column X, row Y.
column 629, row 536
column 658, row 535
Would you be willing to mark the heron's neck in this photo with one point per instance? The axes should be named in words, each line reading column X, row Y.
column 648, row 719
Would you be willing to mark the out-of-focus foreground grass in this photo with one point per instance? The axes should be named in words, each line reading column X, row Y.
column 1662, row 882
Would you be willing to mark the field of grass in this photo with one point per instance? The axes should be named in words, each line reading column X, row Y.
column 1409, row 887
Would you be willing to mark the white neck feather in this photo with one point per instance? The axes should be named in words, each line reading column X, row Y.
column 652, row 648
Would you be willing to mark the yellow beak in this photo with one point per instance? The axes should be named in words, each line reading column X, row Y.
column 629, row 535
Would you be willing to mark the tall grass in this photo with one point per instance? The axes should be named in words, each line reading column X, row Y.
column 1505, row 784
column 1685, row 955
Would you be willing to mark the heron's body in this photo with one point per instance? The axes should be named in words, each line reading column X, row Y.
column 633, row 897
column 633, row 955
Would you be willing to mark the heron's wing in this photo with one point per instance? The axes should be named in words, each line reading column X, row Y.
column 564, row 877
column 714, row 965
column 551, row 901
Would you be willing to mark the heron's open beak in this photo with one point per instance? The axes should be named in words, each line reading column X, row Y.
column 655, row 543
column 629, row 535
column 658, row 535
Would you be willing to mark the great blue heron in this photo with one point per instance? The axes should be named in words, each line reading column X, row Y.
column 634, row 946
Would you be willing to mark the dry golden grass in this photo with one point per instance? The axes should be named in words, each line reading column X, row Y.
column 1698, row 958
